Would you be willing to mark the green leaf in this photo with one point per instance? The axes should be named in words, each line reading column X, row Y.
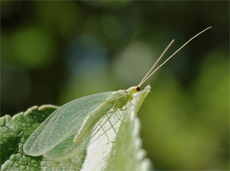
column 15, row 130
column 126, row 153
column 111, row 151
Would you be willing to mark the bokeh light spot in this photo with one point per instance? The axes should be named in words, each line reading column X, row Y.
column 32, row 48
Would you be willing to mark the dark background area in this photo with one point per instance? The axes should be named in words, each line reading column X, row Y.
column 55, row 51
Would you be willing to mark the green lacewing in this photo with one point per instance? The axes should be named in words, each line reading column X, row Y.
column 68, row 130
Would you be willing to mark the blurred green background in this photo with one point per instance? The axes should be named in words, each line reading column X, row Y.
column 53, row 52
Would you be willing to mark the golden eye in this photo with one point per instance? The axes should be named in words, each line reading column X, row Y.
column 138, row 89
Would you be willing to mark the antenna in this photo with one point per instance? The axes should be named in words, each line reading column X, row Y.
column 150, row 72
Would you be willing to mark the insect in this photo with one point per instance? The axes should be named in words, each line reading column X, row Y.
column 68, row 130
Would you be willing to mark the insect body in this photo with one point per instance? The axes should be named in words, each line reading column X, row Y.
column 116, row 101
column 68, row 130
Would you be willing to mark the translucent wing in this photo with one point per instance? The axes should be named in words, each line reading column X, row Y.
column 58, row 130
column 68, row 148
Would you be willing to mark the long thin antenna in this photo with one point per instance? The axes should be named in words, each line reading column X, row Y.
column 158, row 60
column 147, row 77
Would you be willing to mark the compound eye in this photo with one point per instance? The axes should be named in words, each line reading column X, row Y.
column 138, row 89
